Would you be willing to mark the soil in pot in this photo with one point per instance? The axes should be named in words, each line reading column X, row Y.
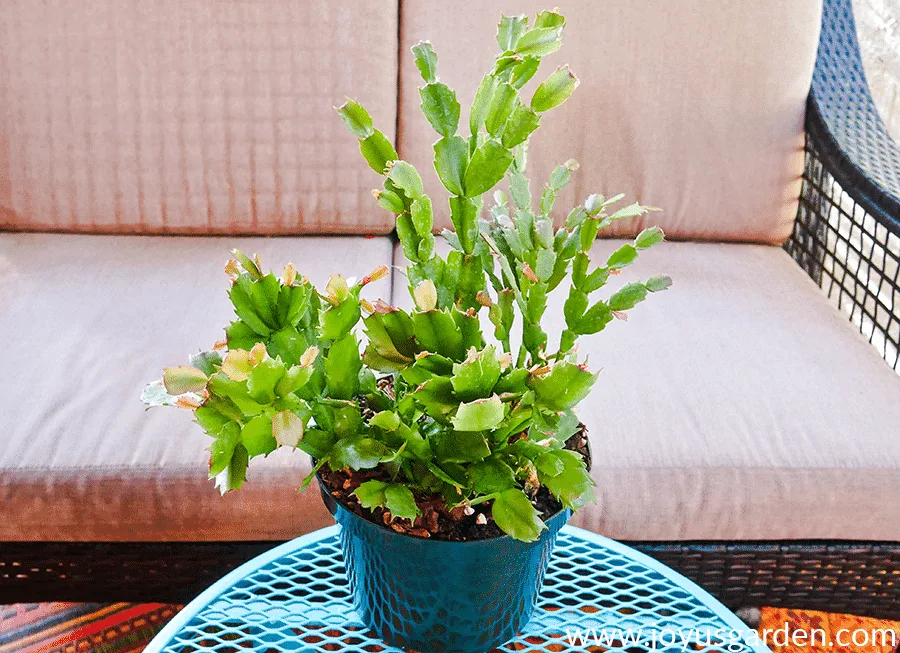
column 436, row 522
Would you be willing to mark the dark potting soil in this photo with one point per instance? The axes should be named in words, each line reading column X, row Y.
column 436, row 522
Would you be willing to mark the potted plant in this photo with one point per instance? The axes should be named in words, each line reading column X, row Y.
column 445, row 441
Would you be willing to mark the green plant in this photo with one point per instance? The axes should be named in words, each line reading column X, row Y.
column 466, row 417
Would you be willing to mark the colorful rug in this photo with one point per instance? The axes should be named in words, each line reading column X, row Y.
column 794, row 631
column 129, row 627
column 81, row 627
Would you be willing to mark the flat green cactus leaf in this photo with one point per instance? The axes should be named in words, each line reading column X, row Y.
column 337, row 321
column 207, row 361
column 459, row 446
column 371, row 494
column 564, row 386
column 357, row 119
column 451, row 156
column 514, row 514
column 257, row 438
column 436, row 398
column 491, row 475
column 623, row 256
column 342, row 366
column 476, row 377
column 539, row 41
column 378, row 151
column 487, row 167
column 554, row 90
column 400, row 501
column 571, row 483
column 317, row 442
column 234, row 474
column 441, row 108
column 435, row 331
column 509, row 30
column 357, row 453
column 263, row 379
column 649, row 237
column 628, row 296
column 480, row 415
column 222, row 448
column 426, row 60
column 405, row 177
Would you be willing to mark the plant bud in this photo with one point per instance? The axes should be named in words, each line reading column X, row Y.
column 505, row 360
column 251, row 266
column 383, row 308
column 483, row 298
column 528, row 272
column 337, row 288
column 309, row 356
column 290, row 274
column 257, row 354
column 378, row 273
column 593, row 204
column 389, row 200
column 367, row 306
column 425, row 295
column 219, row 345
column 232, row 269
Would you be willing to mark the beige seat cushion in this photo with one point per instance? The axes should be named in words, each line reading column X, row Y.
column 198, row 117
column 693, row 106
column 737, row 405
column 88, row 321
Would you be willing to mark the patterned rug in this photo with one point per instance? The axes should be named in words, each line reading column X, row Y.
column 129, row 627
column 81, row 627
column 807, row 631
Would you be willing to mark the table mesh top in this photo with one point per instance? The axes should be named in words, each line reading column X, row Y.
column 297, row 598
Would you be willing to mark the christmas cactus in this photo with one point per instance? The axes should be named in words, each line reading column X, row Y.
column 463, row 400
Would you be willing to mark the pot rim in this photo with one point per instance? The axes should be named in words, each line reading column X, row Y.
column 495, row 538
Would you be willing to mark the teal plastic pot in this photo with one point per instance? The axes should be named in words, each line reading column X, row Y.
column 437, row 596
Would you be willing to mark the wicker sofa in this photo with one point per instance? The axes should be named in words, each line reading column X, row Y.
column 144, row 141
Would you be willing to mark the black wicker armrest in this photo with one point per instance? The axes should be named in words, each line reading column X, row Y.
column 847, row 233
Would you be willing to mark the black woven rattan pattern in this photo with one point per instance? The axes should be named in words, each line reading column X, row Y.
column 847, row 233
column 859, row 578
column 853, row 256
column 848, row 577
column 842, row 99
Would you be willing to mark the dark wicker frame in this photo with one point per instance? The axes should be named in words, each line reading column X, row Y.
column 847, row 232
column 846, row 237
column 854, row 577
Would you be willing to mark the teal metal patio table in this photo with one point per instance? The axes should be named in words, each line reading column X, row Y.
column 597, row 594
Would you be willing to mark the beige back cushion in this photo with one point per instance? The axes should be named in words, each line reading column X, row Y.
column 692, row 106
column 166, row 116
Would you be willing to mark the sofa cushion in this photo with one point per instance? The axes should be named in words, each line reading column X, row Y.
column 693, row 106
column 739, row 404
column 89, row 320
column 192, row 117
